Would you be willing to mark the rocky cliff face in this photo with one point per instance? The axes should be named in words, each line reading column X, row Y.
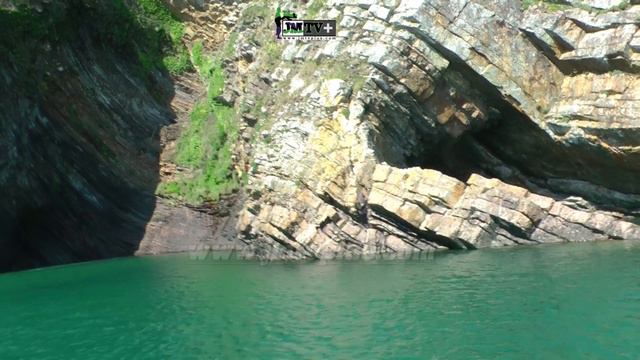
column 79, row 127
column 428, row 124
column 87, row 108
column 91, row 113
column 443, row 124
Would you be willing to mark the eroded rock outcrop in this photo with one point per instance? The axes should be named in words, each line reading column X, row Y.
column 445, row 124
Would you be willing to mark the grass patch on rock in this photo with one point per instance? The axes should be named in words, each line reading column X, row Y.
column 314, row 9
column 551, row 5
column 560, row 5
column 205, row 148
column 173, row 55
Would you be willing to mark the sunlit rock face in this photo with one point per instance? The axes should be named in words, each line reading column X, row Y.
column 445, row 124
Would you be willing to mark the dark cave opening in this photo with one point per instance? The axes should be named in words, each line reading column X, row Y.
column 455, row 157
column 515, row 150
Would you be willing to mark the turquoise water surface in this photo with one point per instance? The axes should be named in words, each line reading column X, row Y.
column 544, row 302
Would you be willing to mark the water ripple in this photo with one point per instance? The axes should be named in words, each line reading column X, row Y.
column 573, row 301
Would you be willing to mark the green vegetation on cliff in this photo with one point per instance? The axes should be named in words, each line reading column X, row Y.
column 205, row 148
column 315, row 7
column 147, row 33
column 558, row 5
column 146, row 30
column 154, row 14
column 552, row 5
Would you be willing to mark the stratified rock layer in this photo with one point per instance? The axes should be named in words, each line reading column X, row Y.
column 79, row 143
column 445, row 124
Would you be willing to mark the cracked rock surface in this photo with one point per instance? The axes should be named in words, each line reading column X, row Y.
column 453, row 124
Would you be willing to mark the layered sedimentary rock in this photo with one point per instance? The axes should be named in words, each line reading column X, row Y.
column 445, row 124
column 87, row 131
column 206, row 21
column 79, row 144
column 426, row 124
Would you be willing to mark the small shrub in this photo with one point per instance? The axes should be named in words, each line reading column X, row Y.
column 178, row 63
column 315, row 8
column 259, row 10
column 551, row 5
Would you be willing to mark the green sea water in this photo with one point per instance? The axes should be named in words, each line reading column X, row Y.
column 545, row 302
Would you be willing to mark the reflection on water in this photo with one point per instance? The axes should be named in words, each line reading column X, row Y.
column 562, row 301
